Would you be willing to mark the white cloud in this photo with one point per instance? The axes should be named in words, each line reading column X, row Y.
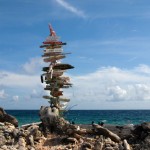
column 102, row 88
column 33, row 66
column 15, row 98
column 19, row 80
column 116, row 93
column 111, row 84
column 3, row 95
column 71, row 8
column 36, row 93
column 23, row 89
column 143, row 69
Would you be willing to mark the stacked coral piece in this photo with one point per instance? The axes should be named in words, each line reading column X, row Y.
column 53, row 74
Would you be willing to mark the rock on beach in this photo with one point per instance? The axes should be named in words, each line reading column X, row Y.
column 4, row 117
column 73, row 137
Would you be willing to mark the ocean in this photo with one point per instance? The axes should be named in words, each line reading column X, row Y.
column 117, row 117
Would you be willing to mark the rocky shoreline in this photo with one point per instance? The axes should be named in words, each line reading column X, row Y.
column 66, row 136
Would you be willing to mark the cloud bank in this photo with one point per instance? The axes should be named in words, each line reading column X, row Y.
column 104, row 86
column 112, row 84
column 33, row 66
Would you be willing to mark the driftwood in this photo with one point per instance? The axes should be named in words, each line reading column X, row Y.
column 25, row 126
column 101, row 130
column 126, row 145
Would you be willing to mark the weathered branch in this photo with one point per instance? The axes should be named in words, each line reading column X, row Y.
column 101, row 130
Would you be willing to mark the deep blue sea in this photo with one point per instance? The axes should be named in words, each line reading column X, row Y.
column 117, row 117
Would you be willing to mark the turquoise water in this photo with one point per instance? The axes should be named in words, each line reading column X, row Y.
column 118, row 117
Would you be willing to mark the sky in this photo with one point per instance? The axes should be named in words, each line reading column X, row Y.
column 109, row 41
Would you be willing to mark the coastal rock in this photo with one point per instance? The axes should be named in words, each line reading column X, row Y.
column 69, row 131
column 85, row 146
column 108, row 145
column 2, row 112
column 22, row 132
column 4, row 147
column 136, row 147
column 31, row 139
column 116, row 148
column 9, row 128
column 33, row 129
column 62, row 125
column 77, row 136
column 4, row 117
column 72, row 140
column 125, row 132
column 75, row 147
column 98, row 145
column 15, row 133
column 109, row 148
column 81, row 131
column 146, row 126
column 22, row 144
column 2, row 140
column 120, row 146
column 147, row 141
column 108, row 141
column 49, row 117
column 140, row 132
column 74, row 137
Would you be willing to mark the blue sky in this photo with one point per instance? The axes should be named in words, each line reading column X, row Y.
column 109, row 41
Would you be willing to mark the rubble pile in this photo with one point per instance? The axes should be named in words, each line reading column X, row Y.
column 68, row 136
column 72, row 137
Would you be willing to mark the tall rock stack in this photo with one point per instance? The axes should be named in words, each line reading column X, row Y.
column 53, row 73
